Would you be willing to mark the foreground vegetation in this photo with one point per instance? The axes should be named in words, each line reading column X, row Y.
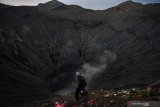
column 101, row 98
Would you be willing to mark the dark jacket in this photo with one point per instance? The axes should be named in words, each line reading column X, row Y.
column 81, row 82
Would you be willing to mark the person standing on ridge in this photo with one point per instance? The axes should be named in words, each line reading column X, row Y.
column 80, row 90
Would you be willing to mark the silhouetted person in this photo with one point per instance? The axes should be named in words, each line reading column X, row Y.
column 80, row 90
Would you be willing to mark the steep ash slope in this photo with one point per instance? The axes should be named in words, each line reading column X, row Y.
column 42, row 46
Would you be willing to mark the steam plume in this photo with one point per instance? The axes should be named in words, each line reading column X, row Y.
column 89, row 71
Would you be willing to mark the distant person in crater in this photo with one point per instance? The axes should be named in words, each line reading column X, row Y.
column 80, row 90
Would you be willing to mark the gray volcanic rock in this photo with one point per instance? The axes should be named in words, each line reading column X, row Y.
column 42, row 47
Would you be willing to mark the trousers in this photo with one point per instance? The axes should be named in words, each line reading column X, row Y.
column 78, row 93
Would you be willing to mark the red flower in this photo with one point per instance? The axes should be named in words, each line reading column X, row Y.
column 59, row 105
column 91, row 102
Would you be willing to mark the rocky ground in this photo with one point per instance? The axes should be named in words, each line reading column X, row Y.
column 101, row 98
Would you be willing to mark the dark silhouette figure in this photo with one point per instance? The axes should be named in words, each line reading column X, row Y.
column 80, row 90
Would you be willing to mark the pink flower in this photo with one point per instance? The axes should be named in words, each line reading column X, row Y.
column 91, row 102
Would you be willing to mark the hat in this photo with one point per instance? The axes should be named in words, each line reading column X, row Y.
column 78, row 73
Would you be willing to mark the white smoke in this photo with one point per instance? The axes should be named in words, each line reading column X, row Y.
column 89, row 71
